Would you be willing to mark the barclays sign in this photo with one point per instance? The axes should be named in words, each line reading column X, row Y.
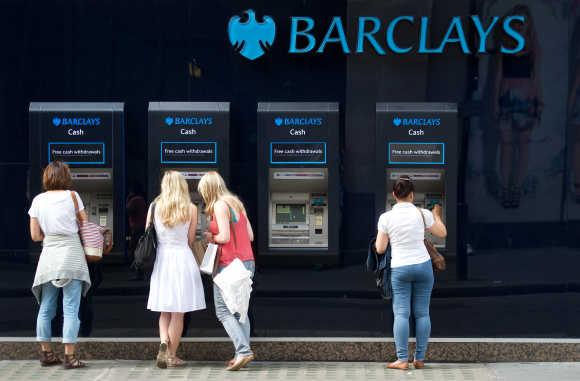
column 294, row 121
column 423, row 122
column 252, row 38
column 58, row 121
column 188, row 121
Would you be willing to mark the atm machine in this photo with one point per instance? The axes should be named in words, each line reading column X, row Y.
column 189, row 137
column 420, row 140
column 298, row 183
column 89, row 137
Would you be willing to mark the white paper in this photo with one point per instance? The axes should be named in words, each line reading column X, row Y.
column 235, row 284
column 208, row 262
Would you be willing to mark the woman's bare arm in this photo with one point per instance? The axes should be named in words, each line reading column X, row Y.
column 438, row 228
column 381, row 242
column 35, row 231
column 192, row 225
column 249, row 228
column 222, row 216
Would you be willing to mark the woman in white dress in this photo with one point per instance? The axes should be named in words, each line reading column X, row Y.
column 176, row 285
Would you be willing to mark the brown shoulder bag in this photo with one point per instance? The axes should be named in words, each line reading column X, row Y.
column 437, row 260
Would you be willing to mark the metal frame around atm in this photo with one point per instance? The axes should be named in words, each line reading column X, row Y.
column 447, row 133
column 38, row 160
column 218, row 133
column 267, row 134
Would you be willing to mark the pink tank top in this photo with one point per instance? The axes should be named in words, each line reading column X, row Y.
column 238, row 247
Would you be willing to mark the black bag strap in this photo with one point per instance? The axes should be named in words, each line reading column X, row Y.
column 153, row 214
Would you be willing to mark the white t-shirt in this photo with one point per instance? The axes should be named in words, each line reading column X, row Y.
column 55, row 212
column 404, row 226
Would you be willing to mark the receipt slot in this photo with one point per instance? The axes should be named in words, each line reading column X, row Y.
column 420, row 140
column 298, row 182
column 89, row 137
column 189, row 137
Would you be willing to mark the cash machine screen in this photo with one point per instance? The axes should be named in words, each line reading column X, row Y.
column 290, row 213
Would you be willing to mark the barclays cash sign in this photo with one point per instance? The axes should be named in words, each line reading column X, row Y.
column 252, row 38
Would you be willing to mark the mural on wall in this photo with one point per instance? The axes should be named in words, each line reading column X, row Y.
column 516, row 149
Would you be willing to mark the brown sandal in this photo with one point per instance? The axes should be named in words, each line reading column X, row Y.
column 49, row 358
column 73, row 362
column 418, row 364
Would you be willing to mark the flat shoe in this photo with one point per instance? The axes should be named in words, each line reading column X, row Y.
column 418, row 364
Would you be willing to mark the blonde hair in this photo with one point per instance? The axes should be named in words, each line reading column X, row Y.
column 212, row 188
column 173, row 205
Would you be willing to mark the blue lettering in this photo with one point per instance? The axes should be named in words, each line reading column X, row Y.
column 424, row 36
column 520, row 40
column 483, row 33
column 363, row 34
column 458, row 28
column 294, row 33
column 81, row 121
column 335, row 24
column 391, row 35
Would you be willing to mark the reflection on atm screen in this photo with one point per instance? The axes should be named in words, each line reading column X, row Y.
column 290, row 213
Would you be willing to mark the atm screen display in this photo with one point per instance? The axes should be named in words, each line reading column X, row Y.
column 290, row 213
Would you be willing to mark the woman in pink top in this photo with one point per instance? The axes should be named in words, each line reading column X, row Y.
column 231, row 229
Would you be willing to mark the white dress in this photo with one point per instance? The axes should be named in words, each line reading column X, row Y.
column 175, row 282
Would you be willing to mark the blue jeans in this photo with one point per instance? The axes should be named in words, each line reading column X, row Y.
column 412, row 283
column 70, row 305
column 237, row 331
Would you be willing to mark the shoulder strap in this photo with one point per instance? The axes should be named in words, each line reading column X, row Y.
column 76, row 204
column 153, row 213
column 422, row 218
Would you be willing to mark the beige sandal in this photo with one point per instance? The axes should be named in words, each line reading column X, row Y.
column 401, row 365
column 175, row 362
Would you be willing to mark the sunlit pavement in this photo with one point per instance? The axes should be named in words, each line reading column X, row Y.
column 140, row 370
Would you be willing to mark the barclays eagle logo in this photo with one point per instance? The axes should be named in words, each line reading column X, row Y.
column 251, row 38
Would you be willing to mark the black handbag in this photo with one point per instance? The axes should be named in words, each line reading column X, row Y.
column 146, row 249
column 381, row 266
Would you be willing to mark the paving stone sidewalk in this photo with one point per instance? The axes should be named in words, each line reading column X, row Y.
column 140, row 370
